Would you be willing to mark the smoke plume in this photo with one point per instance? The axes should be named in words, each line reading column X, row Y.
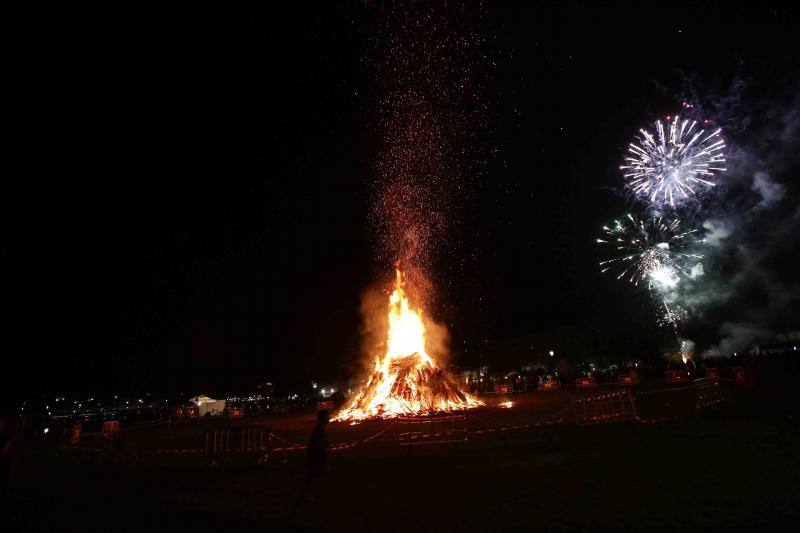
column 747, row 281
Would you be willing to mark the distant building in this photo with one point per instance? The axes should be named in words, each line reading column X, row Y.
column 208, row 406
column 775, row 348
column 782, row 343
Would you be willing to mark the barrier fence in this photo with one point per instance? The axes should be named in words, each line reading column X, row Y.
column 708, row 393
column 237, row 440
column 110, row 429
column 677, row 376
column 550, row 384
column 607, row 407
column 431, row 429
column 74, row 434
column 556, row 418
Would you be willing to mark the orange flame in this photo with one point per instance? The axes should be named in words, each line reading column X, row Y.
column 406, row 380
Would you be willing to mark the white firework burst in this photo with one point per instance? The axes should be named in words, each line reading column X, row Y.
column 671, row 165
column 649, row 250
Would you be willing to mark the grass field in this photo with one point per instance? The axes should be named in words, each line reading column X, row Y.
column 733, row 466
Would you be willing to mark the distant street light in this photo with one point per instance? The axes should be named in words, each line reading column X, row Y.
column 552, row 353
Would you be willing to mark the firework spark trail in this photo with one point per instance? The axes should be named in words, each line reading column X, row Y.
column 652, row 250
column 672, row 316
column 666, row 168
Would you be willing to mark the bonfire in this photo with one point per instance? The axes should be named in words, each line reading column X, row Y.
column 405, row 379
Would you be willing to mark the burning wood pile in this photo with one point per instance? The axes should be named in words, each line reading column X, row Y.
column 405, row 380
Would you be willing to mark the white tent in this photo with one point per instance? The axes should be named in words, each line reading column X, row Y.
column 206, row 405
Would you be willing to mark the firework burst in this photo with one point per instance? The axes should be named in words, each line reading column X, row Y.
column 668, row 167
column 651, row 250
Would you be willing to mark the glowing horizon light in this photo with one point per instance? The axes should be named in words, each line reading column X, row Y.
column 669, row 167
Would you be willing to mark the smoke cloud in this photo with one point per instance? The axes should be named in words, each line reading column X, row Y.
column 746, row 286
column 770, row 191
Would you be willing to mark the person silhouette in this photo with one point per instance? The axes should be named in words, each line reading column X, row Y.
column 317, row 445
column 315, row 457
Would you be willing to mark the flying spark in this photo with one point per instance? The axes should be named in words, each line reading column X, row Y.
column 671, row 315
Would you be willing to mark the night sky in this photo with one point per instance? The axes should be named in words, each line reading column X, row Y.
column 196, row 213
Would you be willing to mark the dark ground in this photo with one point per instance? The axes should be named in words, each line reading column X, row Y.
column 732, row 466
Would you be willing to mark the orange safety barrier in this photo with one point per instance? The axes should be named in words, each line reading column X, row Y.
column 326, row 405
column 236, row 412
column 608, row 407
column 708, row 392
column 628, row 379
column 431, row 429
column 75, row 434
column 110, row 429
column 502, row 389
column 549, row 384
column 585, row 383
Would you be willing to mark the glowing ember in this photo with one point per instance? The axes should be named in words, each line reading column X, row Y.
column 406, row 380
column 507, row 405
